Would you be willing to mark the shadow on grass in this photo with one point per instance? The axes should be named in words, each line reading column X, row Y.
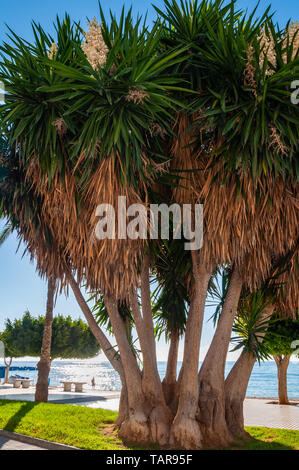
column 13, row 422
column 259, row 444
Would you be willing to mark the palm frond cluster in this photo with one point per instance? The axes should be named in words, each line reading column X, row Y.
column 194, row 109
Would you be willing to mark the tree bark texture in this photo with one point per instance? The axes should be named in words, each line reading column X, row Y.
column 44, row 365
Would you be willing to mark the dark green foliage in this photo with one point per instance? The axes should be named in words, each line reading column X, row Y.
column 243, row 107
column 170, row 297
column 280, row 335
column 70, row 338
column 7, row 230
column 92, row 103
column 217, row 290
column 251, row 326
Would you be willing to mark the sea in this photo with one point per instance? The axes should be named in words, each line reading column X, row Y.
column 262, row 384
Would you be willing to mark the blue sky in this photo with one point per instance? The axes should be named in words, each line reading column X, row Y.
column 20, row 286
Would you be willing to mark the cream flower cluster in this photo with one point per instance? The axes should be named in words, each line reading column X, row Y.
column 52, row 51
column 293, row 35
column 249, row 72
column 95, row 47
column 268, row 49
column 136, row 95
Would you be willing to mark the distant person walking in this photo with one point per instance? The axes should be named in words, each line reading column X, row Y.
column 93, row 382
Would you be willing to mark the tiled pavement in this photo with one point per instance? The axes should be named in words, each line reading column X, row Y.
column 258, row 412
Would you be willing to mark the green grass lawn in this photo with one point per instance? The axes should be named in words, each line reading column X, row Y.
column 89, row 428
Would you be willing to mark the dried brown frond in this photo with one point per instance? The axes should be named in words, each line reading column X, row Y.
column 109, row 265
column 156, row 129
column 184, row 163
column 60, row 126
column 286, row 278
column 246, row 222
column 277, row 229
column 275, row 142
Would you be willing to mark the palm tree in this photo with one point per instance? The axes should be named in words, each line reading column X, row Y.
column 237, row 174
column 17, row 197
column 170, row 307
column 139, row 86
column 278, row 296
column 94, row 123
column 279, row 339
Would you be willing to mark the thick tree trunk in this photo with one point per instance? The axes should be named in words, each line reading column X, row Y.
column 170, row 384
column 149, row 418
column 282, row 363
column 211, row 399
column 160, row 416
column 185, row 432
column 236, row 383
column 148, row 324
column 44, row 365
column 107, row 348
column 7, row 364
column 123, row 410
column 135, row 427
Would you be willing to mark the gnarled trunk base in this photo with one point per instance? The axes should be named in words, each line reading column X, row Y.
column 235, row 418
column 211, row 418
column 185, row 432
column 170, row 391
column 145, row 426
column 235, row 391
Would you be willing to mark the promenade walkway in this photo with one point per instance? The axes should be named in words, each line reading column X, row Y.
column 259, row 412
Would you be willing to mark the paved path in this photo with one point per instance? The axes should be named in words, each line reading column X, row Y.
column 258, row 412
column 10, row 444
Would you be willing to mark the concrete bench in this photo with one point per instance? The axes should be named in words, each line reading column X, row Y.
column 79, row 386
column 17, row 383
column 67, row 386
column 26, row 383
